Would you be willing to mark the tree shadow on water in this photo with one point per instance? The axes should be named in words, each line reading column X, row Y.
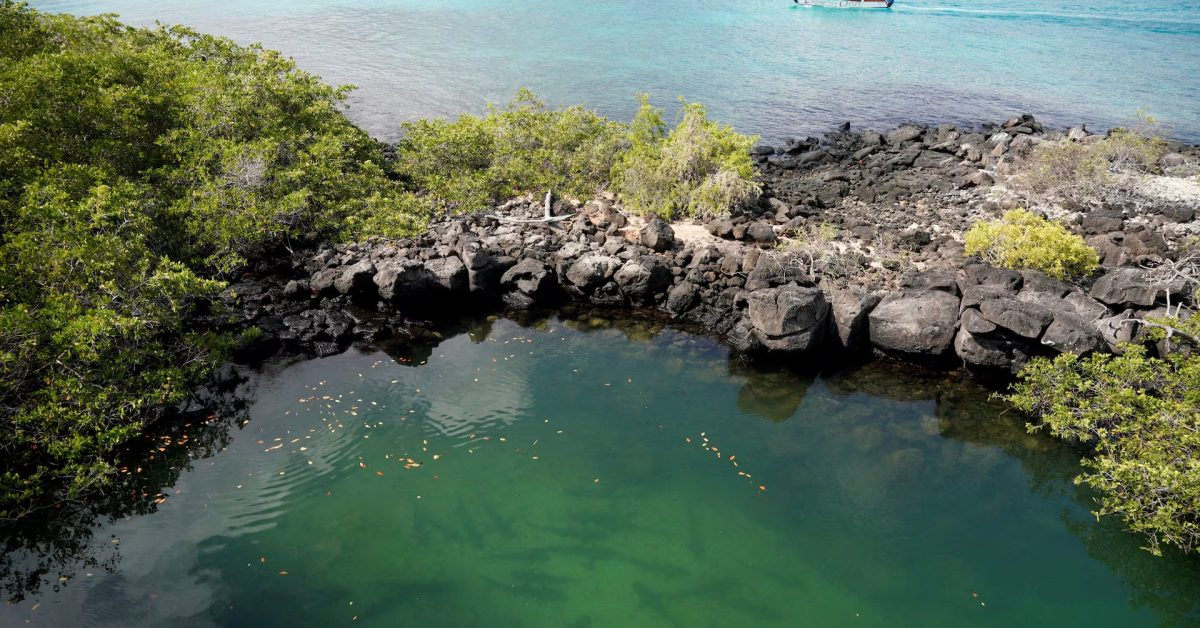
column 47, row 548
column 1167, row 586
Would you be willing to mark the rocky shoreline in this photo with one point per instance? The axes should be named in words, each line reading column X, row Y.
column 854, row 249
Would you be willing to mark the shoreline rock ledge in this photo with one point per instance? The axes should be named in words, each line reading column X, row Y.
column 761, row 279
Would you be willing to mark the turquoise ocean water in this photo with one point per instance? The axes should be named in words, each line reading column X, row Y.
column 766, row 66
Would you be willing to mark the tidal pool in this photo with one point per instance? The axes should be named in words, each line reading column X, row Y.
column 589, row 473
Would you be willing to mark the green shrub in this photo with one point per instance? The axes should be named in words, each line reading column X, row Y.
column 1136, row 148
column 1142, row 417
column 472, row 162
column 390, row 216
column 700, row 167
column 93, row 340
column 137, row 168
column 1066, row 167
column 1023, row 240
column 1083, row 169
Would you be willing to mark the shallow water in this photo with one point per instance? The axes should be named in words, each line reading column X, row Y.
column 767, row 66
column 580, row 474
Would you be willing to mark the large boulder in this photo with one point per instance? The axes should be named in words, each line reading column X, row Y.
column 404, row 279
column 1115, row 330
column 526, row 282
column 760, row 232
column 972, row 296
column 850, row 308
column 356, row 278
column 1036, row 281
column 485, row 280
column 906, row 133
column 682, row 298
column 1071, row 333
column 321, row 282
column 790, row 318
column 983, row 274
column 1136, row 244
column 915, row 323
column 943, row 280
column 983, row 351
column 643, row 277
column 1027, row 320
column 473, row 255
column 449, row 273
column 1131, row 287
column 592, row 271
column 778, row 269
column 657, row 235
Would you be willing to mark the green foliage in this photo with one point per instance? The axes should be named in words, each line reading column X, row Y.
column 471, row 162
column 136, row 168
column 1142, row 416
column 244, row 152
column 1070, row 168
column 700, row 167
column 1082, row 169
column 93, row 338
column 1022, row 239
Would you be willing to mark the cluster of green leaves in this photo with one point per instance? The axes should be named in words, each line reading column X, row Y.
column 471, row 162
column 699, row 167
column 1087, row 168
column 1022, row 239
column 138, row 167
column 1141, row 414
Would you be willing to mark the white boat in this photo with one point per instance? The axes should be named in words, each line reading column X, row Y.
column 847, row 4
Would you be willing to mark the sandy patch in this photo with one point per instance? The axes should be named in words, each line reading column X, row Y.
column 690, row 235
column 1173, row 189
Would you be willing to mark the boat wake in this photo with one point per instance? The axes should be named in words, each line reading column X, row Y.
column 1054, row 15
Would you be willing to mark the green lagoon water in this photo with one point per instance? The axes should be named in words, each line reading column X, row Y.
column 583, row 474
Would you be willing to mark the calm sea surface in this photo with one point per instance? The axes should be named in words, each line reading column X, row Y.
column 767, row 66
column 576, row 474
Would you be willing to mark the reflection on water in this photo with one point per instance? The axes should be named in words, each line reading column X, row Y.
column 594, row 472
column 51, row 547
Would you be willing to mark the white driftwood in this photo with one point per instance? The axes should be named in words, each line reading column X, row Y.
column 547, row 219
column 542, row 221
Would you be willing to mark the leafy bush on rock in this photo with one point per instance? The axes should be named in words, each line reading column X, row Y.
column 1024, row 240
column 473, row 162
column 1084, row 169
column 699, row 167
